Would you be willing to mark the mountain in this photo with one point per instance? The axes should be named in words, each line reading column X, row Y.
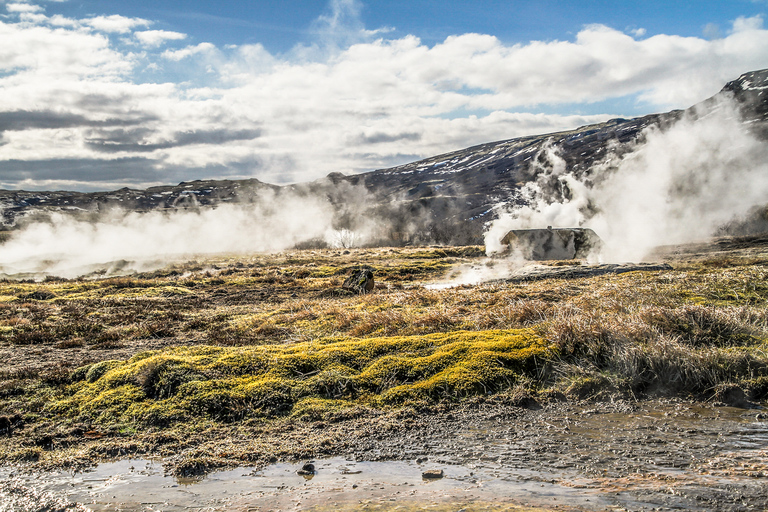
column 442, row 199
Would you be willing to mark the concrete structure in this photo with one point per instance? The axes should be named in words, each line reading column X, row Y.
column 553, row 243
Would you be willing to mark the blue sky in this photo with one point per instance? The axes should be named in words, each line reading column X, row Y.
column 97, row 95
column 281, row 25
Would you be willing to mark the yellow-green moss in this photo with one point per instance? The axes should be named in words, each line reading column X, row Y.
column 232, row 383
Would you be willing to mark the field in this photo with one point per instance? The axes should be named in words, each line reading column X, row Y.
column 254, row 359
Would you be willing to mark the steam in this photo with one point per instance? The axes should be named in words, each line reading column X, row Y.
column 123, row 241
column 543, row 200
column 677, row 185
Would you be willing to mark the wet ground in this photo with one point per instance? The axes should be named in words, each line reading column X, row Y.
column 607, row 456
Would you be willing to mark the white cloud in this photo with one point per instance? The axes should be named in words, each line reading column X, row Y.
column 188, row 51
column 41, row 54
column 18, row 7
column 154, row 38
column 57, row 20
column 115, row 23
column 743, row 24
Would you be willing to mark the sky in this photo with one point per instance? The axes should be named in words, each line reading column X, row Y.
column 99, row 95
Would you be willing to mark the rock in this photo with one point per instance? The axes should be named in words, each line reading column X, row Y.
column 432, row 474
column 8, row 423
column 307, row 469
column 360, row 281
column 5, row 424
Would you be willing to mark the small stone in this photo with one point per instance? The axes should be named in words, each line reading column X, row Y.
column 432, row 474
column 360, row 281
column 307, row 469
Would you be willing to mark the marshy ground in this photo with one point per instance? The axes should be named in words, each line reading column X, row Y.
column 252, row 360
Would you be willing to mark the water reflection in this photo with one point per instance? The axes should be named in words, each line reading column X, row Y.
column 670, row 456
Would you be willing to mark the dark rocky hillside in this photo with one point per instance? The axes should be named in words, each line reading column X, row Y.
column 442, row 199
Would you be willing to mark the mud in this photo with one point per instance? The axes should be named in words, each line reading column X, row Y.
column 659, row 455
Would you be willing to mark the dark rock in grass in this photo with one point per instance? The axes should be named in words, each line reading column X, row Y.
column 8, row 423
column 307, row 469
column 359, row 282
column 432, row 474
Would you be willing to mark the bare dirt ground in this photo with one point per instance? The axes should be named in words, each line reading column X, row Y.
column 652, row 455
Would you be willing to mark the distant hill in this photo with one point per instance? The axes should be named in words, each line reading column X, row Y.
column 442, row 199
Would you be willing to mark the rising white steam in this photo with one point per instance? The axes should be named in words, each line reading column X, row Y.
column 543, row 198
column 678, row 185
column 127, row 241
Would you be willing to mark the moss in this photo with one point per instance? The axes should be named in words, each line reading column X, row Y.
column 95, row 371
column 229, row 384
column 589, row 386
column 420, row 268
column 157, row 414
column 325, row 271
column 316, row 409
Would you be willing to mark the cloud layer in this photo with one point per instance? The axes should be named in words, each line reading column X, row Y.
column 135, row 105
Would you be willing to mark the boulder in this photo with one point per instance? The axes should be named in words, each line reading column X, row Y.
column 360, row 281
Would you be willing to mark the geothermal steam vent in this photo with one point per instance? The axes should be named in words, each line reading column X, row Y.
column 553, row 244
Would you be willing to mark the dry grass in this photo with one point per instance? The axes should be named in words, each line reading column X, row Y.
column 692, row 331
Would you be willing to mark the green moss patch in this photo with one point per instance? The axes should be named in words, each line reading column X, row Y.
column 232, row 383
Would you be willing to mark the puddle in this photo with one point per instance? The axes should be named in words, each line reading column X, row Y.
column 140, row 485
column 663, row 458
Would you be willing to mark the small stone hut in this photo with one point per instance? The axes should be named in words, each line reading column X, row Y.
column 553, row 243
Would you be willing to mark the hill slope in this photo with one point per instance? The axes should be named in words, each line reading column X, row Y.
column 443, row 199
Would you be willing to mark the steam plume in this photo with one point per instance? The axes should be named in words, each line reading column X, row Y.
column 69, row 247
column 678, row 185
